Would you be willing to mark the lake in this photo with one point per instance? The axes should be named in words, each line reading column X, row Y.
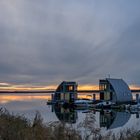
column 28, row 104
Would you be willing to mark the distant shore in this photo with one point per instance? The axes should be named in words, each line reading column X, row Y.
column 52, row 91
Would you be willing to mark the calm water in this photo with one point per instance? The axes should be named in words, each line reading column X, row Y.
column 28, row 104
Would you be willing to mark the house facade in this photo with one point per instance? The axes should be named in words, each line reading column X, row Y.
column 115, row 90
column 66, row 91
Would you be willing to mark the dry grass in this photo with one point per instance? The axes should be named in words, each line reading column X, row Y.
column 15, row 127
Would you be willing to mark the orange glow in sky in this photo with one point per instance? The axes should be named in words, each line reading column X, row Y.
column 10, row 87
column 136, row 87
column 22, row 97
column 88, row 87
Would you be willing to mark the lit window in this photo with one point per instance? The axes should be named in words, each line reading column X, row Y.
column 70, row 88
column 105, row 87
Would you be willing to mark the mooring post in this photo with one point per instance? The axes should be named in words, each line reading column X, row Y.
column 52, row 97
column 137, row 98
column 94, row 97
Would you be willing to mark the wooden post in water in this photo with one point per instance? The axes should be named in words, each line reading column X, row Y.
column 137, row 98
column 94, row 96
column 52, row 97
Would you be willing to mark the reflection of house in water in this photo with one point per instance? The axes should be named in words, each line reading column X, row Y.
column 66, row 91
column 115, row 90
column 68, row 115
column 106, row 119
column 113, row 119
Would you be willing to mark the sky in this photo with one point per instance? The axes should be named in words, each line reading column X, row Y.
column 43, row 42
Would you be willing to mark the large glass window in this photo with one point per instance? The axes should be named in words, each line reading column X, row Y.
column 103, row 87
column 70, row 88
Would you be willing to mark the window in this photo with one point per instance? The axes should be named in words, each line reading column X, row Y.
column 103, row 87
column 70, row 88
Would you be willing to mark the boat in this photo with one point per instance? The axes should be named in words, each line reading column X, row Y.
column 105, row 104
column 83, row 103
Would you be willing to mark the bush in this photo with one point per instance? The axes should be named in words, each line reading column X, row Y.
column 16, row 127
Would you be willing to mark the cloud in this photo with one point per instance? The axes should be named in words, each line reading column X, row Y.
column 54, row 40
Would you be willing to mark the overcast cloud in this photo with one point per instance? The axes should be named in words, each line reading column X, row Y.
column 48, row 41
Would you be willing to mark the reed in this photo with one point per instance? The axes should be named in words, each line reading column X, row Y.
column 17, row 127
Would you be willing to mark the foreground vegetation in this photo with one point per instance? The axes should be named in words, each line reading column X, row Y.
column 16, row 127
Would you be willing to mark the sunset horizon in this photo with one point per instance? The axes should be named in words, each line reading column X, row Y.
column 29, row 87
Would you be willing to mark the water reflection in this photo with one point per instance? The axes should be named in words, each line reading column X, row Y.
column 109, row 119
column 68, row 115
column 28, row 104
column 113, row 119
column 7, row 98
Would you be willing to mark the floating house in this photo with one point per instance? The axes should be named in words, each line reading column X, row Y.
column 115, row 90
column 66, row 92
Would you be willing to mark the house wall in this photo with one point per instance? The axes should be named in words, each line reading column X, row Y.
column 115, row 90
column 66, row 91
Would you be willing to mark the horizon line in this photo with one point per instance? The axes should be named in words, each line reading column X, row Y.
column 52, row 91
